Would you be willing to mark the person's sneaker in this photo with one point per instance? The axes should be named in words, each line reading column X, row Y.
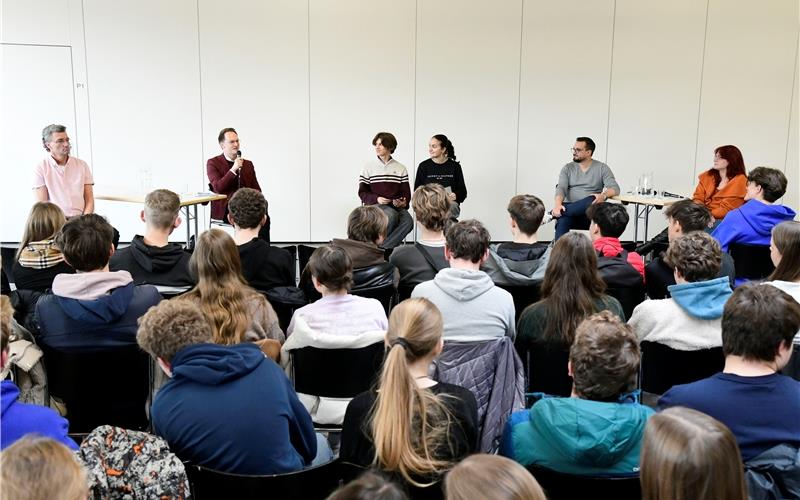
column 548, row 218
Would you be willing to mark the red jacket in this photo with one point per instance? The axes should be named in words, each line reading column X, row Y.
column 611, row 247
column 222, row 181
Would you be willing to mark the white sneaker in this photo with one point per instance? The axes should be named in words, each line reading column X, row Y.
column 548, row 218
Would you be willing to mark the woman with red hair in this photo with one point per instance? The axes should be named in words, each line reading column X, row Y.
column 723, row 186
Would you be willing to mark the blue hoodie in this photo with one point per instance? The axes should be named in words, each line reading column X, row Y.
column 232, row 409
column 702, row 299
column 18, row 419
column 751, row 224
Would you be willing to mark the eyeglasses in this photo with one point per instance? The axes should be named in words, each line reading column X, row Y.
column 575, row 150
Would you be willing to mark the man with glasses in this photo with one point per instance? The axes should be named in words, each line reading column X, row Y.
column 63, row 179
column 581, row 183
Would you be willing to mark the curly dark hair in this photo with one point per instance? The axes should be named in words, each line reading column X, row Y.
column 696, row 255
column 247, row 208
column 170, row 326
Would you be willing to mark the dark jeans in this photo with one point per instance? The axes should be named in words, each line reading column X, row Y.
column 400, row 224
column 573, row 217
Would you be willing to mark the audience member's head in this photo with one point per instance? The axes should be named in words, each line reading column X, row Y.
column 765, row 184
column 367, row 224
column 162, row 209
column 758, row 325
column 491, row 477
column 695, row 256
column 526, row 212
column 609, row 220
column 369, row 486
column 87, row 242
column 414, row 336
column 221, row 289
column 467, row 240
column 387, row 140
column 685, row 216
column 44, row 221
column 431, row 206
column 170, row 326
column 571, row 286
column 247, row 209
column 687, row 454
column 785, row 251
column 331, row 269
column 604, row 358
column 39, row 468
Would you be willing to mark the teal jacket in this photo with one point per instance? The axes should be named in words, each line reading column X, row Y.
column 578, row 436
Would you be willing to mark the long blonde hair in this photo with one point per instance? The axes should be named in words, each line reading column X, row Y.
column 410, row 424
column 687, row 454
column 39, row 468
column 221, row 292
column 491, row 477
column 44, row 221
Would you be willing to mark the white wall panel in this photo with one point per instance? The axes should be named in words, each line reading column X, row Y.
column 254, row 69
column 566, row 64
column 468, row 89
column 792, row 166
column 362, row 82
column 747, row 80
column 655, row 94
column 144, row 98
column 40, row 22
column 40, row 93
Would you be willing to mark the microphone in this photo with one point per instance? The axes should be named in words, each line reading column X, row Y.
column 238, row 172
column 238, row 153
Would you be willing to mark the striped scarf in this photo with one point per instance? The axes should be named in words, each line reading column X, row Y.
column 40, row 255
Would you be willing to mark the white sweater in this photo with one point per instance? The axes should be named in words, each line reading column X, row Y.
column 665, row 322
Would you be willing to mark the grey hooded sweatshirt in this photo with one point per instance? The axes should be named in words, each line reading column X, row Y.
column 473, row 308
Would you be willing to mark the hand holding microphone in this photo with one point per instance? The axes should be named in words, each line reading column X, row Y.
column 237, row 163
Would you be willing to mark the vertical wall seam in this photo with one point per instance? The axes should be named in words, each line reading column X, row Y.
column 519, row 92
column 610, row 76
column 310, row 170
column 86, row 86
column 200, row 74
column 414, row 106
column 700, row 97
column 791, row 102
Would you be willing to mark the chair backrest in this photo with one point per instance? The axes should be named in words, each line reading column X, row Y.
column 376, row 282
column 336, row 373
column 628, row 297
column 663, row 367
column 349, row 472
column 108, row 386
column 285, row 300
column 546, row 369
column 292, row 249
column 523, row 295
column 569, row 486
column 751, row 262
column 311, row 483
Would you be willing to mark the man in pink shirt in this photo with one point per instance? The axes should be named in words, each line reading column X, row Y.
column 61, row 178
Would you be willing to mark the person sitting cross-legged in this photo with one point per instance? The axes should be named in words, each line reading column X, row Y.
column 225, row 407
column 574, row 435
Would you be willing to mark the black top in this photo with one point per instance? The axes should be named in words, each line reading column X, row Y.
column 38, row 280
column 448, row 174
column 358, row 448
column 658, row 276
column 264, row 266
column 521, row 252
column 152, row 265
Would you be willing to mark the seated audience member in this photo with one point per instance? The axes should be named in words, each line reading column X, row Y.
column 759, row 405
column 572, row 435
column 752, row 223
column 38, row 259
column 366, row 230
column 691, row 319
column 722, row 187
column 383, row 183
column 152, row 258
column 491, row 477
column 571, row 291
column 609, row 221
column 228, row 408
column 18, row 419
column 683, row 217
column 236, row 312
column 369, row 486
column 473, row 307
column 687, row 454
column 338, row 320
column 524, row 260
column 39, row 468
column 94, row 308
column 411, row 425
column 263, row 265
column 785, row 252
column 421, row 261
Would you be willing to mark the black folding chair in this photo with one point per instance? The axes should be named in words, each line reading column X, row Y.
column 546, row 369
column 663, row 367
column 628, row 297
column 523, row 295
column 285, row 300
column 559, row 486
column 312, row 483
column 98, row 387
column 376, row 282
column 752, row 262
column 350, row 472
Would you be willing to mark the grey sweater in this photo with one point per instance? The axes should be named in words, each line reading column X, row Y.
column 472, row 307
column 574, row 184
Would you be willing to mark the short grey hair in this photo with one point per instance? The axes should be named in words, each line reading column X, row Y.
column 48, row 131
